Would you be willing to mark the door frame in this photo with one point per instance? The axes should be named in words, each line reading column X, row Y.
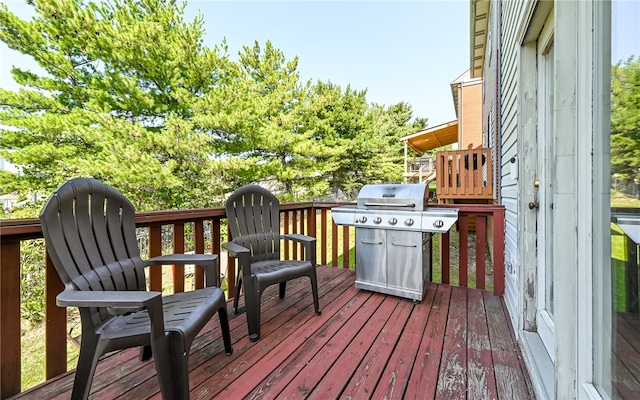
column 545, row 167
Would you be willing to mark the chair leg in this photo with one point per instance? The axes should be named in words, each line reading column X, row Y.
column 145, row 353
column 91, row 349
column 224, row 326
column 314, row 289
column 175, row 368
column 283, row 287
column 237, row 296
column 252, row 308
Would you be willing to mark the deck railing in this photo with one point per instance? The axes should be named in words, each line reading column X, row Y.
column 335, row 247
column 421, row 170
column 464, row 174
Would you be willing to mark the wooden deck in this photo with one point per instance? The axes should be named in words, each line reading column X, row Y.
column 455, row 344
column 626, row 356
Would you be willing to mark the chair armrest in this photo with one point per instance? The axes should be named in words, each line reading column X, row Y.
column 308, row 242
column 118, row 301
column 208, row 262
column 234, row 249
column 242, row 254
column 297, row 237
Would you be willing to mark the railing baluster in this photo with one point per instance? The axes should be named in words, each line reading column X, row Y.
column 178, row 248
column 323, row 236
column 302, row 221
column 231, row 270
column 463, row 250
column 345, row 247
column 215, row 247
column 294, row 225
column 481, row 243
column 155, row 249
column 445, row 257
column 198, row 237
column 286, row 230
column 334, row 244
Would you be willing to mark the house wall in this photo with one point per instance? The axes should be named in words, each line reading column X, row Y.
column 573, row 206
column 470, row 115
column 508, row 107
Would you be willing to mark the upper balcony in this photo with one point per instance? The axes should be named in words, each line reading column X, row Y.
column 457, row 342
column 464, row 175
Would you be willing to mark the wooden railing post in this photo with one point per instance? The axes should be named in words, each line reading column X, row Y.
column 9, row 318
column 498, row 251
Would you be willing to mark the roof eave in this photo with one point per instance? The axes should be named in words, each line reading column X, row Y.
column 479, row 20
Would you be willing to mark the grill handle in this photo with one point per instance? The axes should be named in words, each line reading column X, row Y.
column 403, row 245
column 370, row 204
column 369, row 242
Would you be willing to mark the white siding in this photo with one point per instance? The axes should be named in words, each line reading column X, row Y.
column 509, row 133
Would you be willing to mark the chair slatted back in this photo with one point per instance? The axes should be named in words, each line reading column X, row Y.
column 89, row 228
column 254, row 221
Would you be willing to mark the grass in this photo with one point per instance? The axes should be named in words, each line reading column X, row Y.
column 33, row 350
column 352, row 244
column 618, row 268
column 618, row 252
column 619, row 199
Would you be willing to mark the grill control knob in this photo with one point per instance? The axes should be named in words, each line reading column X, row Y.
column 438, row 223
column 393, row 221
column 377, row 220
column 409, row 222
column 363, row 219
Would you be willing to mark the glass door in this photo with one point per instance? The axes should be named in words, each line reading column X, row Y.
column 617, row 343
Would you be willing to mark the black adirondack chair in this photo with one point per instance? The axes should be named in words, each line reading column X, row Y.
column 254, row 222
column 90, row 232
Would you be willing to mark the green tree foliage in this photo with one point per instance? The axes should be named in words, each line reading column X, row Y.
column 130, row 95
column 114, row 101
column 625, row 118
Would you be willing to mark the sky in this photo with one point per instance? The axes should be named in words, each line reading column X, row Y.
column 399, row 51
column 625, row 30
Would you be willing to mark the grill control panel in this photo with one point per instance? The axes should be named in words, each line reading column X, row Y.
column 422, row 221
column 433, row 219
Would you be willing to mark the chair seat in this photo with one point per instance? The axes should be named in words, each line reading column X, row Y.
column 275, row 271
column 184, row 313
column 188, row 312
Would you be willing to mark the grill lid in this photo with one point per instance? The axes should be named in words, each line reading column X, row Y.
column 410, row 197
column 395, row 206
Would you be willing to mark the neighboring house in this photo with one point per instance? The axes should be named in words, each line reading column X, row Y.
column 546, row 68
column 8, row 201
column 467, row 100
column 463, row 176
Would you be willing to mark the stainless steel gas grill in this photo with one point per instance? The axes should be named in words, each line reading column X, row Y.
column 394, row 227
